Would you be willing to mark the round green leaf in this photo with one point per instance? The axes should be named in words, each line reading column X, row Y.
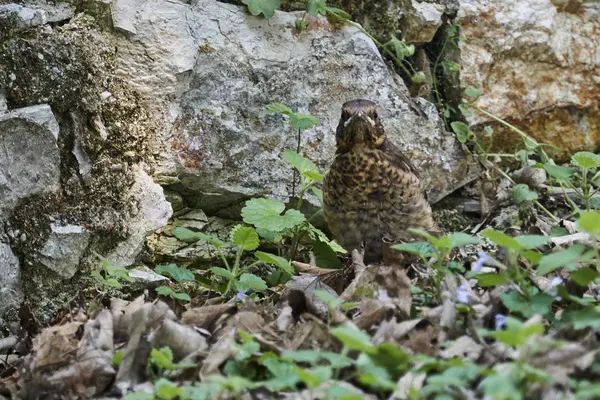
column 585, row 159
column 245, row 237
column 589, row 222
column 521, row 193
column 461, row 130
column 266, row 214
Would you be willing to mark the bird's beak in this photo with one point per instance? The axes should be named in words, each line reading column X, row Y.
column 360, row 116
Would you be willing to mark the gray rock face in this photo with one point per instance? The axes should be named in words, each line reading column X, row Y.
column 30, row 160
column 34, row 14
column 225, row 67
column 10, row 284
column 64, row 249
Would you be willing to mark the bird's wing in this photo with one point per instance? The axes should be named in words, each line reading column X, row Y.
column 398, row 158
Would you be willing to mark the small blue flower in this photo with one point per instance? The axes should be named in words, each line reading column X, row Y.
column 500, row 320
column 241, row 296
column 463, row 293
column 482, row 258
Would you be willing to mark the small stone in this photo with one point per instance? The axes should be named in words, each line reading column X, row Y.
column 23, row 237
column 105, row 95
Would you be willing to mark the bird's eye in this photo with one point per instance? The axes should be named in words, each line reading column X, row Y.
column 375, row 116
column 345, row 114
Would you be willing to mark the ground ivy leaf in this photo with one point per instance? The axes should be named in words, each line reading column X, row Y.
column 175, row 272
column 317, row 192
column 532, row 241
column 584, row 275
column 301, row 121
column 266, row 214
column 266, row 7
column 588, row 317
column 491, row 279
column 473, row 92
column 585, row 159
column 458, row 239
column 277, row 261
column 502, row 239
column 422, row 249
column 589, row 222
column 188, row 235
column 315, row 7
column 354, row 339
column 221, row 272
column 250, row 281
column 182, row 296
column 521, row 193
column 245, row 237
column 302, row 164
column 461, row 130
column 325, row 256
column 279, row 108
column 559, row 173
column 550, row 262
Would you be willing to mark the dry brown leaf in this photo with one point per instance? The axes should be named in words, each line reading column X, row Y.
column 183, row 340
column 56, row 344
column 205, row 317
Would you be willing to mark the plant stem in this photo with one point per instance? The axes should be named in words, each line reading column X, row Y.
column 294, row 178
column 235, row 272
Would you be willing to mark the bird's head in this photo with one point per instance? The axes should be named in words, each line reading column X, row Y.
column 359, row 126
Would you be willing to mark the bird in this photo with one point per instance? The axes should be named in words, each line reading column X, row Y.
column 372, row 193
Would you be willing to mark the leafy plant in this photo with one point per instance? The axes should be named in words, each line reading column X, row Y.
column 111, row 275
column 180, row 276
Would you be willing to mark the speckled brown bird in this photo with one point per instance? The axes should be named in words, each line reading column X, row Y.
column 372, row 192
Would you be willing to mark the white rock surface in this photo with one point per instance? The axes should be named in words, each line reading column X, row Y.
column 64, row 248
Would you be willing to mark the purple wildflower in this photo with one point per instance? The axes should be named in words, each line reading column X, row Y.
column 463, row 293
column 482, row 258
column 241, row 296
column 500, row 320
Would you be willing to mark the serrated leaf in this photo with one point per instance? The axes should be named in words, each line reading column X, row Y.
column 279, row 108
column 166, row 390
column 472, row 92
column 265, row 7
column 461, row 130
column 501, row 239
column 521, row 193
column 182, row 296
column 585, row 159
column 552, row 261
column 587, row 317
column 314, row 7
column 353, row 339
column 313, row 176
column 173, row 271
column 562, row 174
column 188, row 235
column 222, row 272
column 162, row 357
column 422, row 249
column 491, row 279
column 266, row 214
column 302, row 164
column 584, row 275
column 277, row 261
column 245, row 237
column 301, row 121
column 589, row 222
column 325, row 256
column 165, row 291
column 450, row 66
column 532, row 241
column 458, row 239
column 112, row 282
column 250, row 281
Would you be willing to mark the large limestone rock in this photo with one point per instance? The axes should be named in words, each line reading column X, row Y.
column 30, row 160
column 538, row 65
column 10, row 284
column 216, row 68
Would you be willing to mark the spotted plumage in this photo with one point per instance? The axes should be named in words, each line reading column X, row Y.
column 372, row 192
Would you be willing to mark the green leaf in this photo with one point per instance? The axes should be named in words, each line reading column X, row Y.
column 330, row 300
column 501, row 387
column 532, row 241
column 491, row 279
column 182, row 296
column 139, row 396
column 562, row 174
column 117, row 358
column 401, row 49
column 167, row 291
column 310, row 356
column 458, row 239
column 308, row 377
column 502, row 239
column 422, row 249
column 552, row 261
column 178, row 274
column 301, row 24
column 188, row 235
column 279, row 108
column 521, row 193
column 418, row 77
column 461, row 130
column 450, row 66
column 317, row 192
column 517, row 333
column 540, row 303
column 166, row 390
column 339, row 12
column 301, row 121
column 266, row 214
column 245, row 237
column 315, row 7
column 277, row 261
column 588, row 317
column 313, row 176
column 589, row 222
column 585, row 159
column 472, row 92
column 336, row 360
column 111, row 282
column 265, row 7
column 325, row 256
column 222, row 272
column 250, row 281
column 353, row 339
column 303, row 165
column 584, row 275
column 162, row 357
